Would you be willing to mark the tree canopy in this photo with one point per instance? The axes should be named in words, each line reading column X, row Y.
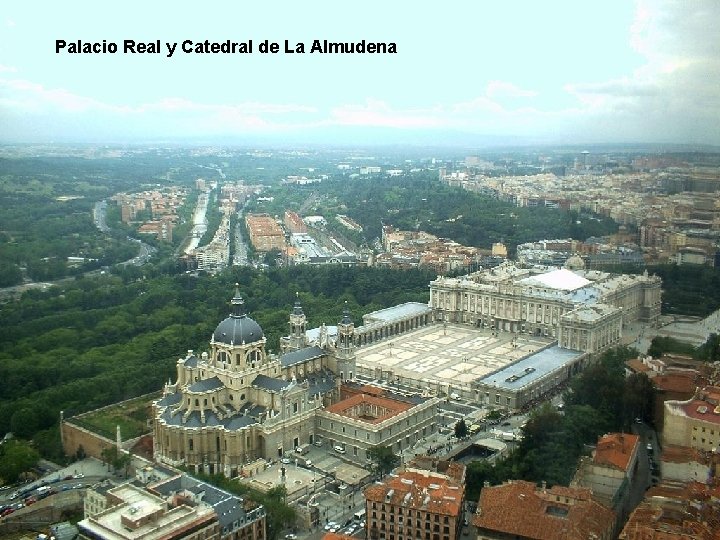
column 383, row 460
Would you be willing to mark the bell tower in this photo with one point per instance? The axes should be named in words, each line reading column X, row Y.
column 345, row 347
column 298, row 326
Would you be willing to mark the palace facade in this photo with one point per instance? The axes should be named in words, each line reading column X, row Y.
column 545, row 302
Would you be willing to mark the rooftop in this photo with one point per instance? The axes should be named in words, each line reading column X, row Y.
column 705, row 406
column 677, row 381
column 418, row 489
column 682, row 454
column 561, row 279
column 675, row 511
column 408, row 309
column 590, row 313
column 369, row 408
column 136, row 513
column 531, row 368
column 616, row 450
column 559, row 513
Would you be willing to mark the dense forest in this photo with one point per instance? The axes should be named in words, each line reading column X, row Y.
column 93, row 342
column 687, row 290
column 419, row 201
column 47, row 212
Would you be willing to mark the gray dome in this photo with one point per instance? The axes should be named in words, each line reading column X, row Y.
column 238, row 328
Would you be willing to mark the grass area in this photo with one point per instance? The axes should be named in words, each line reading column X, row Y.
column 132, row 417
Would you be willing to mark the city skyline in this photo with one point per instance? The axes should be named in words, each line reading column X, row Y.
column 488, row 72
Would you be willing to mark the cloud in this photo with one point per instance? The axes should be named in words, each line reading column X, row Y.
column 7, row 69
column 676, row 91
column 25, row 98
column 497, row 89
column 380, row 114
column 33, row 97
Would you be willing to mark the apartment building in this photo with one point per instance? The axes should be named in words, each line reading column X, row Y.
column 415, row 504
column 265, row 233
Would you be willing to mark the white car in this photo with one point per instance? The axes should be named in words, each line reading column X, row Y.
column 339, row 449
column 285, row 460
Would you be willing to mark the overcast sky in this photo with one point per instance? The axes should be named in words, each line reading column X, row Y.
column 543, row 71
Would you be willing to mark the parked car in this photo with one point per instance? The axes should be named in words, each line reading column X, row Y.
column 339, row 449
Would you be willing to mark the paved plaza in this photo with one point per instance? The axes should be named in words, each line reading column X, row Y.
column 448, row 355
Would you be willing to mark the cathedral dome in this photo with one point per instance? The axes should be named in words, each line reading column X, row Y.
column 238, row 328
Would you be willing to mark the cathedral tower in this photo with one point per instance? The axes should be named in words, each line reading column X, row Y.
column 345, row 347
column 298, row 326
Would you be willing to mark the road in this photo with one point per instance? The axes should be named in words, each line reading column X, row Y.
column 145, row 253
column 200, row 222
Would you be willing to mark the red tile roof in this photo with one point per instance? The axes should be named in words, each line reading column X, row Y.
column 521, row 508
column 637, row 365
column 616, row 450
column 336, row 536
column 434, row 493
column 676, row 511
column 684, row 381
column 379, row 408
column 682, row 454
column 451, row 469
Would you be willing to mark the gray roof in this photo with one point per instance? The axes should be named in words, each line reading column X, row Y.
column 314, row 333
column 191, row 361
column 252, row 409
column 408, row 309
column 64, row 531
column 206, row 385
column 238, row 329
column 320, row 383
column 238, row 422
column 270, row 383
column 228, row 507
column 301, row 355
column 531, row 368
column 211, row 420
column 170, row 399
column 173, row 484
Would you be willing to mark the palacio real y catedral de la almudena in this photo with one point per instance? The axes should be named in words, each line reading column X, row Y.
column 501, row 336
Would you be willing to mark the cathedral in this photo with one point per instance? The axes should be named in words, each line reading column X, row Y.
column 236, row 403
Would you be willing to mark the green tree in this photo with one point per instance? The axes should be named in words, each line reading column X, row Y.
column 16, row 457
column 24, row 423
column 382, row 459
column 280, row 515
column 638, row 398
column 710, row 350
column 461, row 429
column 118, row 461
